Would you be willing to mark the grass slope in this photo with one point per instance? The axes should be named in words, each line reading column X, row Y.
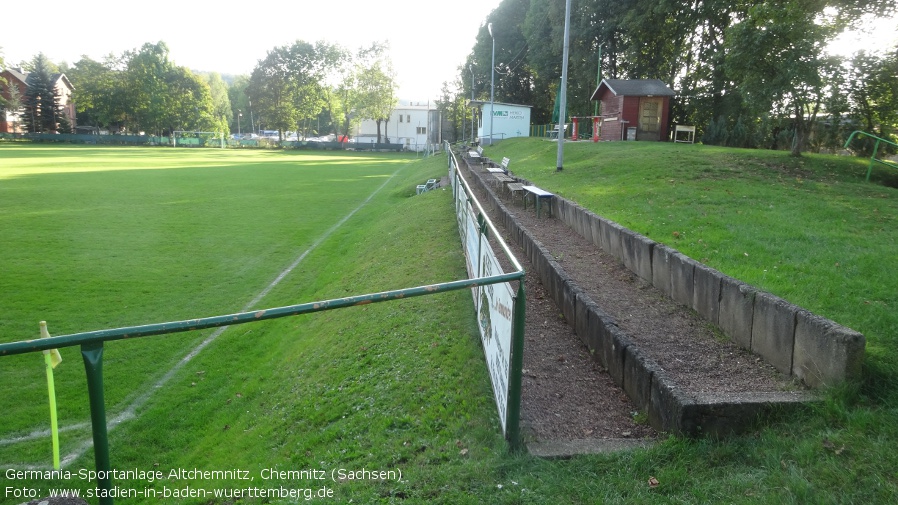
column 402, row 385
column 809, row 230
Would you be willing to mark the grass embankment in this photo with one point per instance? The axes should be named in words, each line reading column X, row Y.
column 392, row 386
column 809, row 230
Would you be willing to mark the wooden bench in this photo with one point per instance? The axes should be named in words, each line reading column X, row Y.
column 538, row 196
column 476, row 155
column 516, row 188
column 502, row 179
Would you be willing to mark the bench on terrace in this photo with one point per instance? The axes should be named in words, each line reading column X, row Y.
column 538, row 196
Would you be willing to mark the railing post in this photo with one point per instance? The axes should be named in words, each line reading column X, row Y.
column 872, row 158
column 92, row 353
column 513, row 415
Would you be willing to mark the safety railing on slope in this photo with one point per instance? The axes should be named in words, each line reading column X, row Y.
column 500, row 311
column 873, row 157
column 92, row 348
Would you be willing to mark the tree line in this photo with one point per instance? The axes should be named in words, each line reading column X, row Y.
column 746, row 73
column 293, row 88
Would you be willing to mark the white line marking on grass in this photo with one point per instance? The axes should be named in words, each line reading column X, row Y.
column 130, row 411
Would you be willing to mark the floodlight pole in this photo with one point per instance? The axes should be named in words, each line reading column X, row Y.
column 239, row 114
column 492, row 82
column 563, row 105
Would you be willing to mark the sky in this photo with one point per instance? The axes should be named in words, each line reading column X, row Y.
column 428, row 39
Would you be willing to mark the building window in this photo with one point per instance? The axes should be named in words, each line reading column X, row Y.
column 408, row 118
column 400, row 118
column 422, row 130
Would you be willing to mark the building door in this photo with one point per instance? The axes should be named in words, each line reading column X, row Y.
column 649, row 127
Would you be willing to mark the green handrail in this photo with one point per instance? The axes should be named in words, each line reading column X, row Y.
column 92, row 347
column 57, row 342
column 873, row 158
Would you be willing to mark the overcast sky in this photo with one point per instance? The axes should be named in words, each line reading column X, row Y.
column 429, row 39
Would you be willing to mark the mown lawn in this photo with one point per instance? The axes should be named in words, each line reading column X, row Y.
column 401, row 386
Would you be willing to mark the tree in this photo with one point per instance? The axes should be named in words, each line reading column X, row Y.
column 146, row 96
column 873, row 93
column 3, row 83
column 775, row 54
column 99, row 91
column 286, row 87
column 42, row 109
column 377, row 88
column 240, row 105
column 451, row 105
column 188, row 103
column 222, row 113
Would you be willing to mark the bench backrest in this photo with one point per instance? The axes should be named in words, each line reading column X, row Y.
column 480, row 150
column 505, row 162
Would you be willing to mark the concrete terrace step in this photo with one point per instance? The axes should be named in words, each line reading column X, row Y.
column 798, row 343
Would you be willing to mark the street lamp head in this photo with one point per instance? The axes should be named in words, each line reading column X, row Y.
column 489, row 27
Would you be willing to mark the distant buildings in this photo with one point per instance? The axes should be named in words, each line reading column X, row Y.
column 17, row 82
column 415, row 125
column 509, row 120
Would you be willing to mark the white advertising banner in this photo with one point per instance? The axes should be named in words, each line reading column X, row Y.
column 493, row 303
column 495, row 313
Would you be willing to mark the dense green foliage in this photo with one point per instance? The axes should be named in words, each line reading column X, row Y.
column 757, row 70
column 303, row 83
column 143, row 91
column 289, row 90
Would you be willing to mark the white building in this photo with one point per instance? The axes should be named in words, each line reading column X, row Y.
column 509, row 120
column 412, row 124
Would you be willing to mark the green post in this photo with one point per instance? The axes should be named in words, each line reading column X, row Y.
column 92, row 352
column 513, row 416
column 873, row 158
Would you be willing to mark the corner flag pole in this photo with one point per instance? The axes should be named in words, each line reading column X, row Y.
column 52, row 358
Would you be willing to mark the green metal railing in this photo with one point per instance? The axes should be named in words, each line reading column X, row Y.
column 92, row 346
column 873, row 158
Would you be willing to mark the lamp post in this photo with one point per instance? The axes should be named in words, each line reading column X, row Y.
column 239, row 115
column 251, row 121
column 563, row 105
column 471, row 68
column 492, row 81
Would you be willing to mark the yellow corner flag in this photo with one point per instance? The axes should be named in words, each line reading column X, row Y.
column 55, row 357
column 52, row 358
